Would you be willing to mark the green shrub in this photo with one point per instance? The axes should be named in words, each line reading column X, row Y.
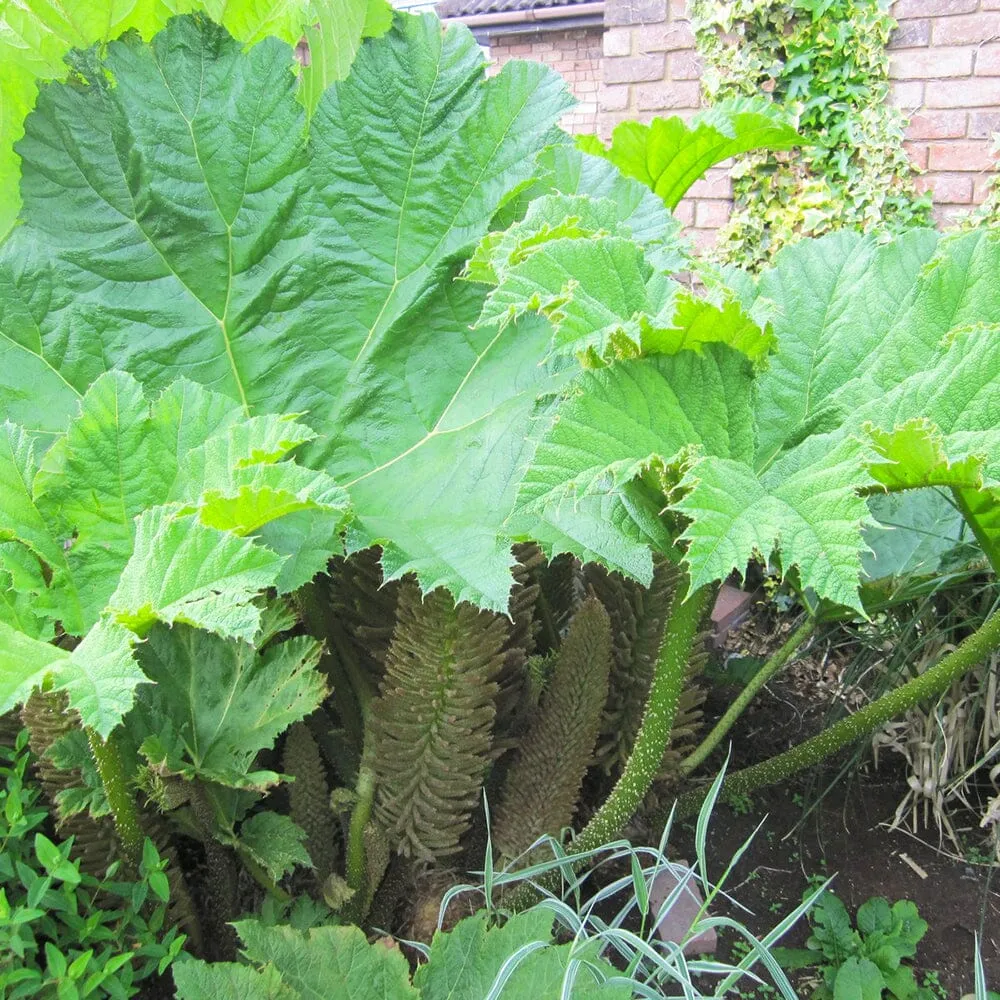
column 63, row 933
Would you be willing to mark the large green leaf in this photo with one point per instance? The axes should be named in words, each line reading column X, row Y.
column 467, row 961
column 304, row 273
column 329, row 962
column 100, row 675
column 890, row 381
column 183, row 571
column 613, row 425
column 669, row 155
column 142, row 513
column 216, row 704
column 36, row 37
column 197, row 980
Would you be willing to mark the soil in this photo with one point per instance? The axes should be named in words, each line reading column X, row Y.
column 837, row 824
column 845, row 837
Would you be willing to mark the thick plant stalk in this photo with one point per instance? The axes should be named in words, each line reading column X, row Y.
column 643, row 765
column 357, row 869
column 929, row 684
column 121, row 801
column 773, row 665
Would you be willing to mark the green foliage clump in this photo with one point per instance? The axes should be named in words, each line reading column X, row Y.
column 287, row 964
column 825, row 63
column 65, row 933
column 866, row 962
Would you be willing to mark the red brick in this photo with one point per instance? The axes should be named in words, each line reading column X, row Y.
column 711, row 214
column 908, row 95
column 924, row 64
column 955, row 189
column 684, row 213
column 937, row 125
column 968, row 155
column 614, row 98
column 917, row 151
column 715, row 184
column 668, row 96
column 988, row 60
column 635, row 11
column 618, row 42
column 982, row 124
column 911, row 34
column 634, row 69
column 978, row 92
column 665, row 37
column 683, row 66
column 932, row 8
column 970, row 29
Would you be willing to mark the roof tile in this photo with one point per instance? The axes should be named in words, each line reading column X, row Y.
column 465, row 8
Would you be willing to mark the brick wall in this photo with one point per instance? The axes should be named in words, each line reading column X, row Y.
column 945, row 65
column 945, row 60
column 575, row 54
column 651, row 68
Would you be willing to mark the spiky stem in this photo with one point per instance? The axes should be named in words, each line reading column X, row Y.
column 121, row 801
column 773, row 665
column 653, row 738
column 357, row 870
column 970, row 652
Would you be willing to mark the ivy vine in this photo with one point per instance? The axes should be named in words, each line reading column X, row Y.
column 825, row 63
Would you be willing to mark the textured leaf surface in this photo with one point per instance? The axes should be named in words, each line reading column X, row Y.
column 196, row 980
column 182, row 571
column 467, row 961
column 216, row 703
column 100, row 675
column 329, row 962
column 288, row 270
column 613, row 425
column 107, row 535
column 916, row 534
column 35, row 39
column 887, row 376
column 669, row 155
column 274, row 842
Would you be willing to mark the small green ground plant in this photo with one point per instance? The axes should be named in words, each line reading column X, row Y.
column 866, row 960
column 65, row 934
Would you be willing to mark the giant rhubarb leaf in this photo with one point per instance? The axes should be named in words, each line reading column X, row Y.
column 669, row 155
column 179, row 219
column 472, row 960
column 886, row 377
column 146, row 512
column 35, row 38
column 216, row 704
